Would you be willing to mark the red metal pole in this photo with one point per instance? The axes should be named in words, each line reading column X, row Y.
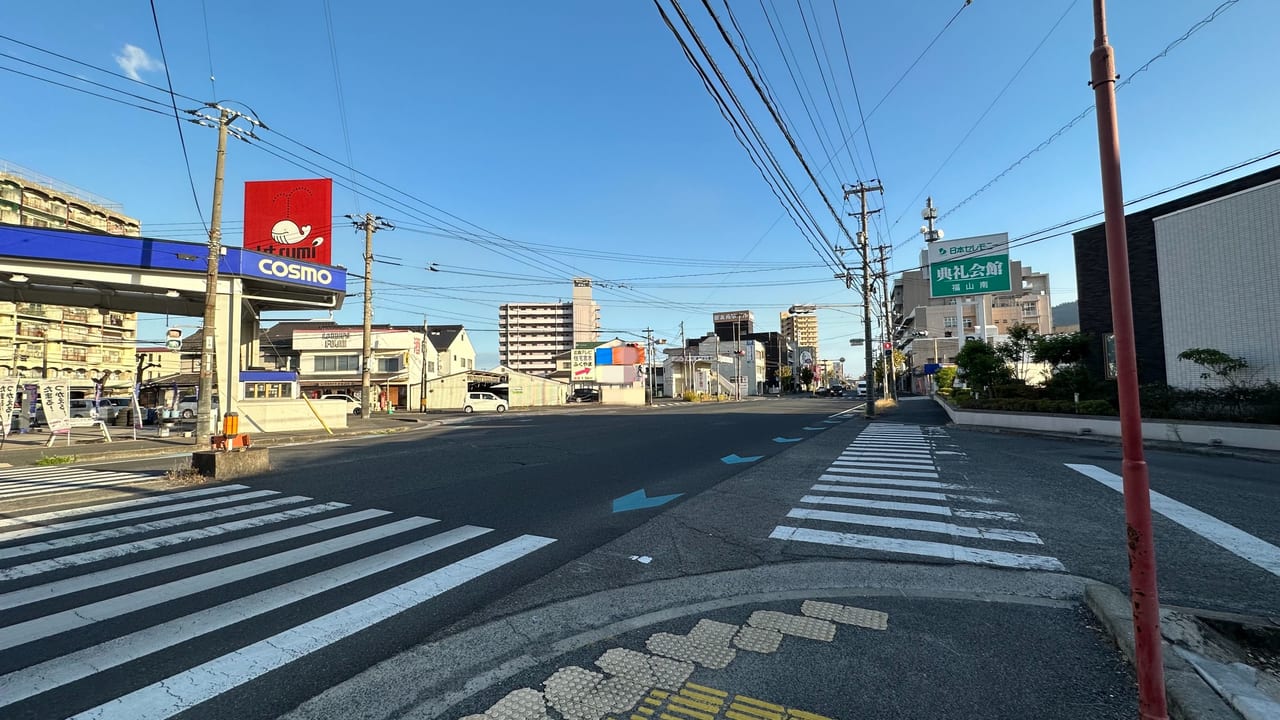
column 1137, row 491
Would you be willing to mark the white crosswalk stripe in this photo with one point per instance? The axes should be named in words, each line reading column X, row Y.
column 242, row 555
column 876, row 474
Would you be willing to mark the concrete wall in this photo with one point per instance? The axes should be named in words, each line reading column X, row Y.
column 1237, row 435
column 282, row 415
column 446, row 393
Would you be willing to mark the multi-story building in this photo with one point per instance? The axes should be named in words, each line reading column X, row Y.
column 79, row 345
column 531, row 335
column 932, row 330
column 733, row 325
column 799, row 325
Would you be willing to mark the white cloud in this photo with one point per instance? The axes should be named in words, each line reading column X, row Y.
column 134, row 59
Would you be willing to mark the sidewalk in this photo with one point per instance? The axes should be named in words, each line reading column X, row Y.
column 88, row 445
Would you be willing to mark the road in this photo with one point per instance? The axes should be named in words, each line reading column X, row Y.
column 245, row 600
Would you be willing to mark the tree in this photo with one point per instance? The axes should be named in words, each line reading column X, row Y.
column 1229, row 369
column 945, row 377
column 806, row 376
column 982, row 366
column 1015, row 350
column 899, row 364
column 1061, row 349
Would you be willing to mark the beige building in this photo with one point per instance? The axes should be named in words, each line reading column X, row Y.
column 531, row 335
column 79, row 345
column 932, row 330
column 800, row 327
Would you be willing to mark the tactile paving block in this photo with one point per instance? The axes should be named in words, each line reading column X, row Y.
column 522, row 704
column 681, row 647
column 798, row 625
column 846, row 615
column 759, row 640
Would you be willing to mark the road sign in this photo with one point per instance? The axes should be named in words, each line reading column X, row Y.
column 969, row 266
column 931, row 368
column 174, row 345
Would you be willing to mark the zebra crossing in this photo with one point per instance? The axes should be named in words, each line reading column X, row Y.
column 96, row 599
column 887, row 484
column 33, row 484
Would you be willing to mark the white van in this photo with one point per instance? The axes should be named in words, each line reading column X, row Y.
column 484, row 401
column 862, row 388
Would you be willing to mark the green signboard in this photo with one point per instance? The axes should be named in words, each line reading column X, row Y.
column 969, row 266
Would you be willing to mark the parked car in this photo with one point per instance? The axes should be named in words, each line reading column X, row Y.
column 584, row 395
column 188, row 404
column 102, row 409
column 353, row 405
column 484, row 401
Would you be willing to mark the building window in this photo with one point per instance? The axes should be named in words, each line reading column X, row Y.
column 1029, row 310
column 968, row 323
column 949, row 321
column 389, row 365
column 75, row 354
column 431, row 366
column 267, row 390
column 336, row 363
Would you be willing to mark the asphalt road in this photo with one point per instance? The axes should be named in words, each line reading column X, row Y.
column 526, row 502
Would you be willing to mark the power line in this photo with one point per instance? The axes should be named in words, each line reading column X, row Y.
column 983, row 115
column 836, row 113
column 337, row 85
column 1090, row 108
column 173, row 101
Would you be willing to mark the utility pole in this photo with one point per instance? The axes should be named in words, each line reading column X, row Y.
column 1144, row 598
column 204, row 401
column 861, row 190
column 370, row 223
column 684, row 360
column 891, row 370
column 648, row 340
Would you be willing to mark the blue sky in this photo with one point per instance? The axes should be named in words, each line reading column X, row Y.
column 579, row 134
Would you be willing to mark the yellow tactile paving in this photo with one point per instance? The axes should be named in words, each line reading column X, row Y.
column 798, row 625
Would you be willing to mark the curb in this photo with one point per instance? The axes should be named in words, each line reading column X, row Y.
column 1188, row 695
column 262, row 441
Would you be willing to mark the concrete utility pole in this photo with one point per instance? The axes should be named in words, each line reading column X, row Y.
column 370, row 223
column 204, row 401
column 1144, row 597
column 648, row 361
column 861, row 190
column 891, row 370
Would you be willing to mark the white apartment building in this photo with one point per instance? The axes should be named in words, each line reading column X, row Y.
column 531, row 335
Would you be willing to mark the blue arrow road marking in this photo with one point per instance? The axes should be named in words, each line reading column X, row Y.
column 833, row 422
column 734, row 459
column 786, row 440
column 638, row 501
column 817, row 428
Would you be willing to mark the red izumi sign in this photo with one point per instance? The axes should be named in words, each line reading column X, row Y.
column 290, row 218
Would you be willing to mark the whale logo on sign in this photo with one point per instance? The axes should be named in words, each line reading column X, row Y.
column 290, row 218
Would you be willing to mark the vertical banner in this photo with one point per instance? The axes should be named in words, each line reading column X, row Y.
column 8, row 401
column 290, row 218
column 54, row 398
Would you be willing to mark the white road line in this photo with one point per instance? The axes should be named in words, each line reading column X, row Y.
column 132, row 515
column 858, row 490
column 896, row 482
column 896, row 452
column 113, row 551
column 79, row 583
column 25, row 476
column 919, row 547
column 897, row 464
column 902, row 447
column 103, row 507
column 988, row 515
column 893, row 473
column 930, row 526
column 43, row 627
column 877, row 504
column 117, row 651
column 192, row 687
column 59, row 543
column 1228, row 537
column 71, row 487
